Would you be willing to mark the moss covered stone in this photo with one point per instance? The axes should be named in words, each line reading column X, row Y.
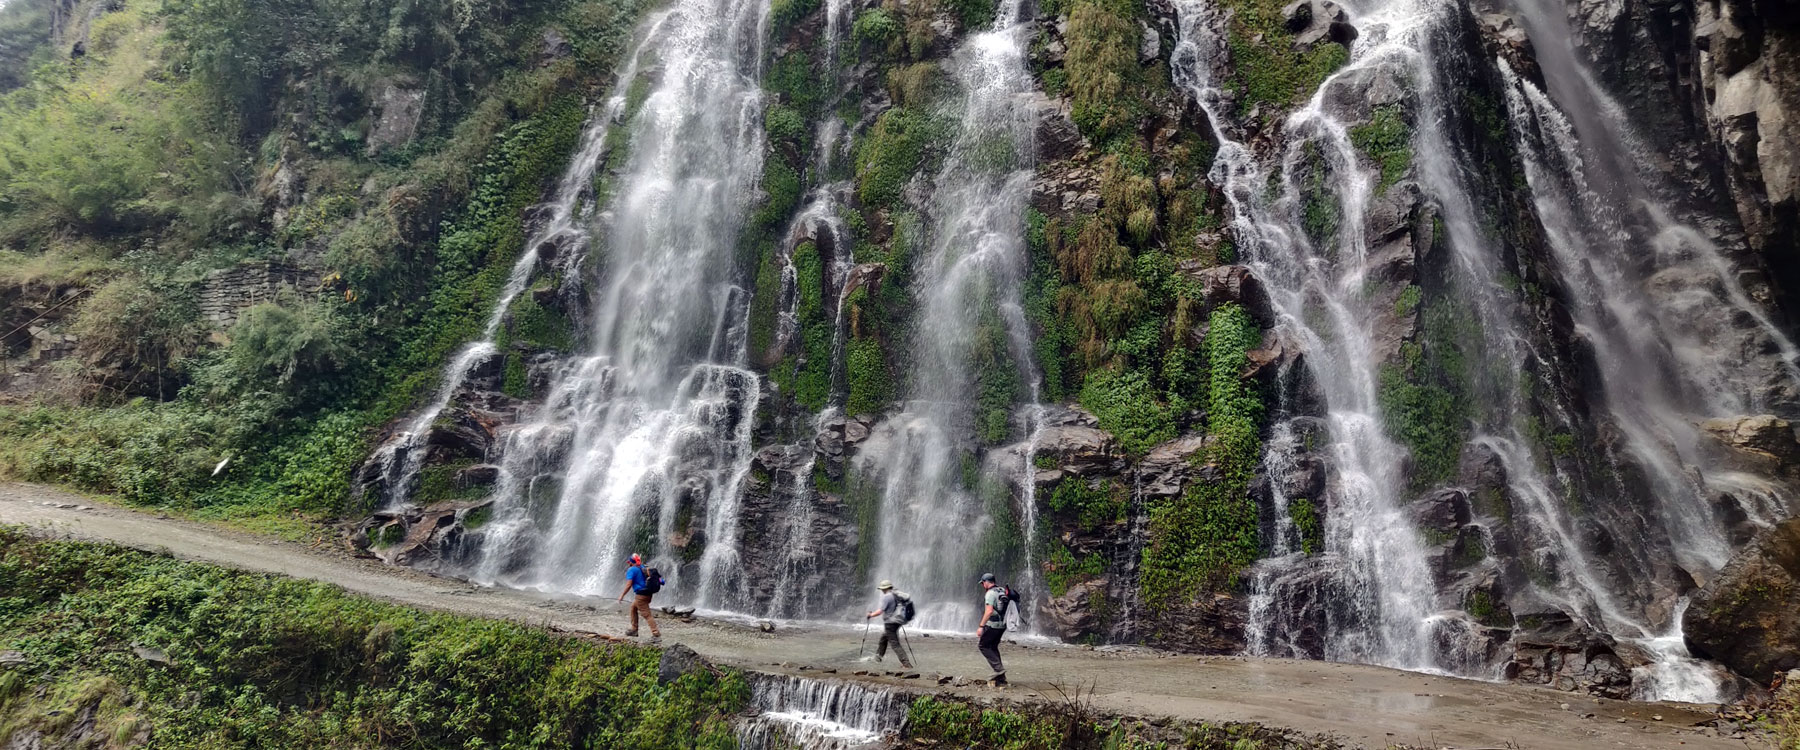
column 894, row 149
column 1387, row 139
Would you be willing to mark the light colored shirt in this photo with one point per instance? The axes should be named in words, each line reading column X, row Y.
column 998, row 621
column 890, row 608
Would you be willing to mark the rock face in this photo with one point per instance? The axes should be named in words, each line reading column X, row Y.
column 229, row 291
column 678, row 661
column 1222, row 284
column 1748, row 616
column 398, row 107
column 1763, row 444
column 1750, row 67
column 1562, row 655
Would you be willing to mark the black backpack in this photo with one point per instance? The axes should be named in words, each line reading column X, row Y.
column 1008, row 597
column 907, row 610
column 653, row 581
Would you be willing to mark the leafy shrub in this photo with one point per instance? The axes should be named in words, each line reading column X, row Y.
column 140, row 323
column 1307, row 522
column 286, row 343
column 875, row 27
column 784, row 14
column 871, row 388
column 781, row 185
column 1063, row 569
column 891, row 153
column 1126, row 406
column 540, row 327
column 1209, row 533
column 1091, row 506
column 1425, row 399
column 784, row 124
column 807, row 375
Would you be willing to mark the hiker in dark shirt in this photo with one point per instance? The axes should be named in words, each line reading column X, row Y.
column 892, row 614
column 639, row 583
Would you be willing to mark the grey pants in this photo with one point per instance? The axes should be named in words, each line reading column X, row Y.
column 990, row 648
column 890, row 631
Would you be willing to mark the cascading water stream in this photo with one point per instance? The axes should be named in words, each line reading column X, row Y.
column 1369, row 588
column 1369, row 592
column 644, row 443
column 931, row 518
column 1657, row 387
column 1667, row 325
column 403, row 456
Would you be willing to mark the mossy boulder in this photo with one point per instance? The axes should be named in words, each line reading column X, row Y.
column 1748, row 616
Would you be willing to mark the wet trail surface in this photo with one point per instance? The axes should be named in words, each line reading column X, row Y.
column 1369, row 706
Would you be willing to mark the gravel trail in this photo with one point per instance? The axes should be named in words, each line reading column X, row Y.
column 1370, row 706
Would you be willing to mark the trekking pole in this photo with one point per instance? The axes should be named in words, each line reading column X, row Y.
column 910, row 651
column 865, row 641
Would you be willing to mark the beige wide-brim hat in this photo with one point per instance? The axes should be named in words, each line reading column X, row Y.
column 886, row 586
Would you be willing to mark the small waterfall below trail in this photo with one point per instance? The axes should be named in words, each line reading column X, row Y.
column 796, row 713
column 643, row 444
column 937, row 501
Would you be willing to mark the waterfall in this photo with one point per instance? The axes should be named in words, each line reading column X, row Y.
column 1369, row 586
column 932, row 516
column 807, row 714
column 1676, row 337
column 564, row 228
column 643, row 444
column 1663, row 371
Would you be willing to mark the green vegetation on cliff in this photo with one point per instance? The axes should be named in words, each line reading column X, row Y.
column 197, row 134
column 194, row 656
column 806, row 376
column 1268, row 68
column 1426, row 396
column 1205, row 536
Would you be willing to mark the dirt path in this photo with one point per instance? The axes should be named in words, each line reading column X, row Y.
column 1371, row 706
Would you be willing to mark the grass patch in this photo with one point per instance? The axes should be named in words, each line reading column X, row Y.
column 256, row 661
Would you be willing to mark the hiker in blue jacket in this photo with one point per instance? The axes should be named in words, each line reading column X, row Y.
column 640, row 583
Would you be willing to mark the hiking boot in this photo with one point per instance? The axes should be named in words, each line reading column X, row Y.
column 631, row 634
column 999, row 680
column 655, row 639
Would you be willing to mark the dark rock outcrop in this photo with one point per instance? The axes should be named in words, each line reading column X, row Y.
column 1748, row 616
column 1222, row 284
column 679, row 661
column 1555, row 651
column 1078, row 614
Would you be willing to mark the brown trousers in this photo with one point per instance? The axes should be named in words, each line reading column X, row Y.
column 642, row 604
